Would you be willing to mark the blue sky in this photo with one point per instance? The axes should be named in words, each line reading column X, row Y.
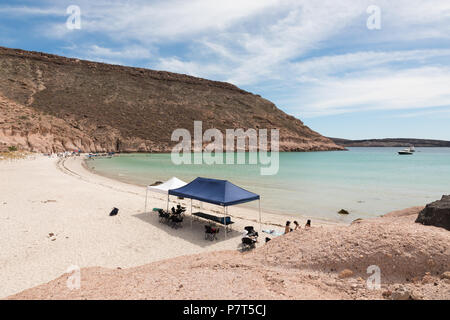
column 316, row 60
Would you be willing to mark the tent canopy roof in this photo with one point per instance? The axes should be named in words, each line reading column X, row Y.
column 172, row 183
column 220, row 192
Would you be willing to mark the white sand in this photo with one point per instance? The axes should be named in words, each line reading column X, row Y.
column 85, row 235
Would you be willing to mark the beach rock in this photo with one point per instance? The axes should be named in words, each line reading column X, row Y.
column 427, row 278
column 346, row 273
column 343, row 211
column 415, row 295
column 400, row 293
column 436, row 214
column 387, row 294
column 446, row 275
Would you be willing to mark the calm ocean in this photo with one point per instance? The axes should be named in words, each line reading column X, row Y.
column 365, row 181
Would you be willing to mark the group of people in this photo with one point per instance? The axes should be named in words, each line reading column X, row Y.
column 288, row 228
column 64, row 154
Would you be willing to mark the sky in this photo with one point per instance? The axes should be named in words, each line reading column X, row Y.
column 352, row 69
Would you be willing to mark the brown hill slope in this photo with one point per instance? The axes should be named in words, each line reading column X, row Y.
column 52, row 103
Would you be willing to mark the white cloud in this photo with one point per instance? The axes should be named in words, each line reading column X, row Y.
column 31, row 11
column 415, row 88
column 441, row 113
column 133, row 52
column 167, row 20
column 357, row 61
column 247, row 57
column 191, row 68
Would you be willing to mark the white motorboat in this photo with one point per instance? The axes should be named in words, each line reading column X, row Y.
column 406, row 151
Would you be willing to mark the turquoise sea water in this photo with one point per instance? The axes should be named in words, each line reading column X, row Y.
column 365, row 181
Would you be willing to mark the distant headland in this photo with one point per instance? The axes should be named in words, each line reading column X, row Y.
column 392, row 142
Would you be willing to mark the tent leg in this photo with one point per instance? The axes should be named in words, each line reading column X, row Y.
column 146, row 194
column 191, row 214
column 259, row 209
column 225, row 220
column 167, row 202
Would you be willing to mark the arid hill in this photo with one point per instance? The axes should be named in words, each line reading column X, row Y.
column 51, row 103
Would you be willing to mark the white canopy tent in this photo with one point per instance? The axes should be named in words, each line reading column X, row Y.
column 173, row 183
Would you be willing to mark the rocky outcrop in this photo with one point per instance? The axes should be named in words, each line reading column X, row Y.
column 34, row 131
column 52, row 103
column 436, row 214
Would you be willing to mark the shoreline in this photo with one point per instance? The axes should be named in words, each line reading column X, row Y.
column 366, row 184
column 273, row 213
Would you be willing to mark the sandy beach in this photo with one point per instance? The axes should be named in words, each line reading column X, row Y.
column 317, row 263
column 55, row 214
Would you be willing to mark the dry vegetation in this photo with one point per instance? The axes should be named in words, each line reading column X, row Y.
column 14, row 155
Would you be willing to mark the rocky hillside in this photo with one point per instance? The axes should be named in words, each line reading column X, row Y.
column 394, row 142
column 51, row 103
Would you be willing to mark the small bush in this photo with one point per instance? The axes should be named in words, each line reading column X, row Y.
column 12, row 148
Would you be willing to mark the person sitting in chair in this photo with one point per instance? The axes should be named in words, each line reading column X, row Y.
column 308, row 224
column 287, row 229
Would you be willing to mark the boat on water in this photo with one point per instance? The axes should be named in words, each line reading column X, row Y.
column 407, row 151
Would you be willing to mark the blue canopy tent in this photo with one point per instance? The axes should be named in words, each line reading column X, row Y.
column 219, row 192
